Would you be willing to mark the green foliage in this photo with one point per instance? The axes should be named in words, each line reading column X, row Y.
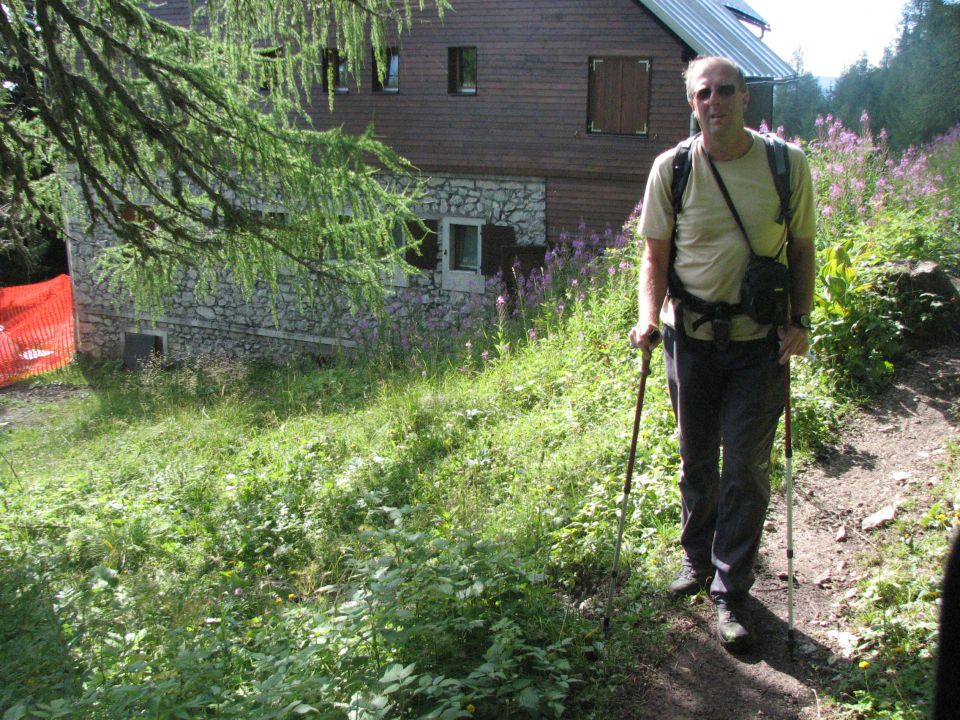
column 193, row 147
column 875, row 211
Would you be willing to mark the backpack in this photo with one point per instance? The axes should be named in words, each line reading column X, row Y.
column 719, row 313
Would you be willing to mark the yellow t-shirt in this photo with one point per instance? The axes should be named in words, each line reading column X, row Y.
column 712, row 254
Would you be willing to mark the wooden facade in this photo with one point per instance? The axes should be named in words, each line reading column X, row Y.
column 529, row 111
column 529, row 114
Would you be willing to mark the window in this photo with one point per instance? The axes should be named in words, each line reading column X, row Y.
column 270, row 71
column 465, row 247
column 618, row 98
column 462, row 70
column 335, row 71
column 391, row 79
column 462, row 254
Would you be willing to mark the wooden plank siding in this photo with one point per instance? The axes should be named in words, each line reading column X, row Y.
column 529, row 115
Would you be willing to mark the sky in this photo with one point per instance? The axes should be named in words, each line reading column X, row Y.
column 833, row 34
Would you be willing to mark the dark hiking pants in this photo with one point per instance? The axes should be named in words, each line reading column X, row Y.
column 730, row 399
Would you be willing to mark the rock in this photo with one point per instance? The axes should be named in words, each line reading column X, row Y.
column 841, row 534
column 847, row 642
column 880, row 518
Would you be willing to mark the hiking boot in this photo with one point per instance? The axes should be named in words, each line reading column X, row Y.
column 689, row 582
column 730, row 627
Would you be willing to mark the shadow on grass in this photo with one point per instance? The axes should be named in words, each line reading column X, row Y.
column 35, row 659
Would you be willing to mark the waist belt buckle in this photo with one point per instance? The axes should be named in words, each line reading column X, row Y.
column 721, row 333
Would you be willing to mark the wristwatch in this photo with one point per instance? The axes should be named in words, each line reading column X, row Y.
column 801, row 321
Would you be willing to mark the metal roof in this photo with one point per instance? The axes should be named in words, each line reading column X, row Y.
column 710, row 28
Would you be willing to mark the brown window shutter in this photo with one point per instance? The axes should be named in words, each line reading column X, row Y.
column 530, row 257
column 603, row 101
column 493, row 238
column 425, row 258
column 635, row 97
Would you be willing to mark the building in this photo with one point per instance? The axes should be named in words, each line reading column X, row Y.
column 525, row 119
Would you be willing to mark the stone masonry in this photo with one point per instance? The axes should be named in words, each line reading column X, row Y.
column 227, row 325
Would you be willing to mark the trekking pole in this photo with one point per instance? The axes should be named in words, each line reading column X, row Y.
column 644, row 371
column 788, row 471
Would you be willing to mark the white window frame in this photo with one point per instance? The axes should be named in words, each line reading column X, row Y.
column 461, row 280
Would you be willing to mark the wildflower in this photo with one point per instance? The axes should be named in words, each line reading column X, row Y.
column 237, row 591
column 292, row 596
column 501, row 302
column 532, row 334
column 485, row 355
column 278, row 600
column 471, row 708
column 468, row 345
column 863, row 665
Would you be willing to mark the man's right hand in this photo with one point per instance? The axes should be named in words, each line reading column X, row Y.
column 645, row 335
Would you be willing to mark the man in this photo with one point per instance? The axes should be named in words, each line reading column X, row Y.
column 724, row 394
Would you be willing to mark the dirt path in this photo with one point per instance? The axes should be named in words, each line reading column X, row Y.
column 889, row 453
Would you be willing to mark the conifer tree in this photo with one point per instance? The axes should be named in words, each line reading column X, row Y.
column 192, row 144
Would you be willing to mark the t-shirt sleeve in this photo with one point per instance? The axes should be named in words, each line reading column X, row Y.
column 803, row 223
column 656, row 216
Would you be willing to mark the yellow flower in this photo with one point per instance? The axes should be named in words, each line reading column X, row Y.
column 292, row 596
column 279, row 600
column 864, row 664
column 941, row 516
column 470, row 708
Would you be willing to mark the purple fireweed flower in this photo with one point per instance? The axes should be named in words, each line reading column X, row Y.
column 501, row 301
column 764, row 128
column 532, row 334
column 485, row 355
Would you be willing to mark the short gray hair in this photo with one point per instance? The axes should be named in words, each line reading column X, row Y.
column 695, row 65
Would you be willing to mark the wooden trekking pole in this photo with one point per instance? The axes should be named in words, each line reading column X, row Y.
column 644, row 371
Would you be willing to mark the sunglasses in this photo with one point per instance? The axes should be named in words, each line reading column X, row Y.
column 724, row 91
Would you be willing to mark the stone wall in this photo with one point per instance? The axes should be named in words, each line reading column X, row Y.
column 226, row 324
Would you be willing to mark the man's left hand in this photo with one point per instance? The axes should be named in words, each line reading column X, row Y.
column 794, row 340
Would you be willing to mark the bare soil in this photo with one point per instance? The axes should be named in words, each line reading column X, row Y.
column 887, row 453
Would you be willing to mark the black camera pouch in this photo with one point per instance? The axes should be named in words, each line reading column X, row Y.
column 765, row 291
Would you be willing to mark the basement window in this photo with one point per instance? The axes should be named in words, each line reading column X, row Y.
column 140, row 349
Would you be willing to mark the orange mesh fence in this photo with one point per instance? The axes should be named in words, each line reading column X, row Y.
column 36, row 328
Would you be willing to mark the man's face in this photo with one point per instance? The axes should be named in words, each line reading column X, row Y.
column 717, row 102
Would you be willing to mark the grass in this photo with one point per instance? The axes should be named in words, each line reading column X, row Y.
column 275, row 541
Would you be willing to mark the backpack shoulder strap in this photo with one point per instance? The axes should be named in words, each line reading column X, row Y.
column 681, row 173
column 779, row 160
